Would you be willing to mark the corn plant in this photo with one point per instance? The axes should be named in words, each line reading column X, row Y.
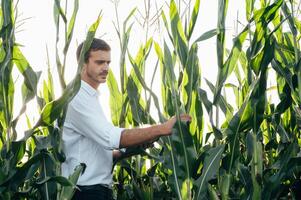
column 129, row 109
column 257, row 141
column 255, row 151
column 30, row 166
column 185, row 140
column 248, row 150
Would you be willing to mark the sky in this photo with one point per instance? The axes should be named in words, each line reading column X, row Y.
column 36, row 31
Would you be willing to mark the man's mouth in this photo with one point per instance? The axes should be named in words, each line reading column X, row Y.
column 103, row 74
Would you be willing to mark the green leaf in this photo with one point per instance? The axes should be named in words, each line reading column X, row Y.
column 273, row 182
column 166, row 26
column 54, row 109
column 71, row 26
column 249, row 8
column 239, row 122
column 191, row 76
column 136, row 73
column 60, row 10
column 225, row 185
column 180, row 158
column 115, row 99
column 18, row 151
column 256, row 167
column 29, row 89
column 207, row 35
column 245, row 178
column 88, row 41
column 210, row 168
column 289, row 15
column 179, row 38
column 123, row 41
column 58, row 179
column 193, row 18
column 220, row 39
column 16, row 177
column 231, row 62
column 212, row 193
column 138, row 111
column 68, row 191
column 205, row 100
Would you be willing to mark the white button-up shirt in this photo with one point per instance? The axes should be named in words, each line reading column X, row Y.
column 88, row 137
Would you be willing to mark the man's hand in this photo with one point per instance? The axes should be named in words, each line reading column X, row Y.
column 147, row 145
column 168, row 125
column 138, row 136
column 116, row 154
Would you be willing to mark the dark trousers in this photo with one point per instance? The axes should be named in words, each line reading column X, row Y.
column 93, row 192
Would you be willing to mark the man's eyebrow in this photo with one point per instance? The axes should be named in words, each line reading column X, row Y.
column 102, row 60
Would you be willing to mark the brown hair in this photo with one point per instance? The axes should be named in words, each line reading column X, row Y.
column 97, row 44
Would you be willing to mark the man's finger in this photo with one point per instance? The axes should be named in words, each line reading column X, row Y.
column 185, row 117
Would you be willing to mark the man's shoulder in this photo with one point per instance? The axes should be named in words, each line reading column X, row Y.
column 77, row 105
column 79, row 99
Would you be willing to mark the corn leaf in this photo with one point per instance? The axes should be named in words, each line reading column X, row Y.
column 69, row 190
column 115, row 99
column 231, row 62
column 193, row 18
column 179, row 38
column 210, row 168
column 71, row 27
column 29, row 89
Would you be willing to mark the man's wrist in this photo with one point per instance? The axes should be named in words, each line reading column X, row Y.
column 163, row 130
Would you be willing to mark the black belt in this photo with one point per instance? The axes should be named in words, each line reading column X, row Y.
column 94, row 187
column 93, row 192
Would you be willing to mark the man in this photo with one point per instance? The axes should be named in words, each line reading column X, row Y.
column 90, row 138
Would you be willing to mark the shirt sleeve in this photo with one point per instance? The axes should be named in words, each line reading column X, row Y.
column 90, row 121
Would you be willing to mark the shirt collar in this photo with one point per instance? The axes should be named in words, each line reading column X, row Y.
column 88, row 88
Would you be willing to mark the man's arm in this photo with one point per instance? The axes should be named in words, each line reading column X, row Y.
column 138, row 136
column 116, row 154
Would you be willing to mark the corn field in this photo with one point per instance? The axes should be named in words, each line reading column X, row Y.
column 243, row 146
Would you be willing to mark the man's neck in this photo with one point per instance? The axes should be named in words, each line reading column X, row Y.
column 91, row 83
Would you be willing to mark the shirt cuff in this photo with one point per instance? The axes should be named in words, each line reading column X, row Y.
column 115, row 134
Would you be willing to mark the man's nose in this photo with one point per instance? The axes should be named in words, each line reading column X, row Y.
column 106, row 66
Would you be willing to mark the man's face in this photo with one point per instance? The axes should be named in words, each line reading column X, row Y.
column 96, row 69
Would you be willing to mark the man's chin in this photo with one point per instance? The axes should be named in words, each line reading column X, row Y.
column 102, row 80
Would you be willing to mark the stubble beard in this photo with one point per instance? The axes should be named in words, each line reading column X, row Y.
column 94, row 78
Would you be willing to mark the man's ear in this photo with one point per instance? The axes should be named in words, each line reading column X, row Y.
column 84, row 69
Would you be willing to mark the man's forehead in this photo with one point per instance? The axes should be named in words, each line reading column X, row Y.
column 100, row 54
